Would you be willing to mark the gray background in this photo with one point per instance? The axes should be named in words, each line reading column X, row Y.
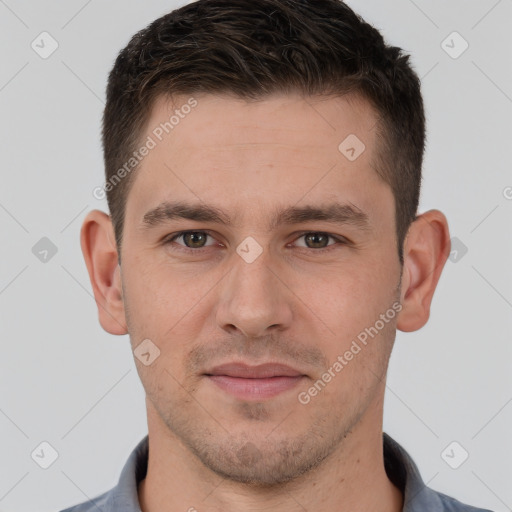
column 65, row 381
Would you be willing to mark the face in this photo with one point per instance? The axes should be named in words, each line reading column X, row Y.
column 260, row 276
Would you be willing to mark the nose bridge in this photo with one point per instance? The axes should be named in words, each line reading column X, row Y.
column 252, row 297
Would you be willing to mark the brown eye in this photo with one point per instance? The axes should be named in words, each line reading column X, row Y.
column 194, row 239
column 190, row 240
column 319, row 242
column 316, row 240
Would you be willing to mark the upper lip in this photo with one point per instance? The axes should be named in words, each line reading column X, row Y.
column 260, row 371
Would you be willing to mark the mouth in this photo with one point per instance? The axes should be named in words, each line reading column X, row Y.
column 254, row 382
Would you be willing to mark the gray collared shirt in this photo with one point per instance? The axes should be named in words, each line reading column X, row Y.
column 400, row 468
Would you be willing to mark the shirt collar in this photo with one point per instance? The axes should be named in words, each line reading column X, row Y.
column 400, row 468
column 404, row 474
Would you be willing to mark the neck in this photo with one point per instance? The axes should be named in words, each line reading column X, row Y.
column 351, row 478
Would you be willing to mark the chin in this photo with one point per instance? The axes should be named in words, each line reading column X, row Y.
column 262, row 464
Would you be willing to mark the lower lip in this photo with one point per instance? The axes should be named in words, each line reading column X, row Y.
column 247, row 389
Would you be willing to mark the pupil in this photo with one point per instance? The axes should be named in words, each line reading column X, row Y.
column 197, row 238
column 315, row 237
column 193, row 238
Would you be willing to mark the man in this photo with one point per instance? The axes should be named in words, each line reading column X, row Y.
column 263, row 165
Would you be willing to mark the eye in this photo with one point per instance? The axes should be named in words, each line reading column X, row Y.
column 319, row 240
column 191, row 239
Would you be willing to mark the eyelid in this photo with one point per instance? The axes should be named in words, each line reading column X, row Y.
column 171, row 238
column 340, row 240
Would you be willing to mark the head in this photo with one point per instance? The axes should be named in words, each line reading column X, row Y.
column 274, row 46
column 286, row 138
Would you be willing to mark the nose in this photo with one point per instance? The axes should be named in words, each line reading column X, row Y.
column 254, row 299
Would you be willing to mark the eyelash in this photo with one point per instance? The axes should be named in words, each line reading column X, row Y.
column 183, row 248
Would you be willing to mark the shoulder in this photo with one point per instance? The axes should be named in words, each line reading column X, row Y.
column 99, row 503
column 418, row 497
column 450, row 504
column 123, row 497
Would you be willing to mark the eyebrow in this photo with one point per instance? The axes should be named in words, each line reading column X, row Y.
column 333, row 212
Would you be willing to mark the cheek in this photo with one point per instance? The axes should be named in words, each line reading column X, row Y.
column 351, row 304
column 355, row 295
column 169, row 308
column 161, row 294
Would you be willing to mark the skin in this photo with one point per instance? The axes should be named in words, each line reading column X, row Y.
column 293, row 304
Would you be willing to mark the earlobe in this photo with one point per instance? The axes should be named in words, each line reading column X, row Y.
column 426, row 250
column 101, row 258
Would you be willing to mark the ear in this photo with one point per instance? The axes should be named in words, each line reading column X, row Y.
column 100, row 254
column 426, row 249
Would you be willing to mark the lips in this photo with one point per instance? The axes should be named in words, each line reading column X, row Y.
column 261, row 371
column 259, row 382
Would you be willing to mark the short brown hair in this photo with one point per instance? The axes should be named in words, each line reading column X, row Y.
column 254, row 48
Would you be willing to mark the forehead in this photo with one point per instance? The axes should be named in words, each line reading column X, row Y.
column 290, row 119
column 233, row 152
